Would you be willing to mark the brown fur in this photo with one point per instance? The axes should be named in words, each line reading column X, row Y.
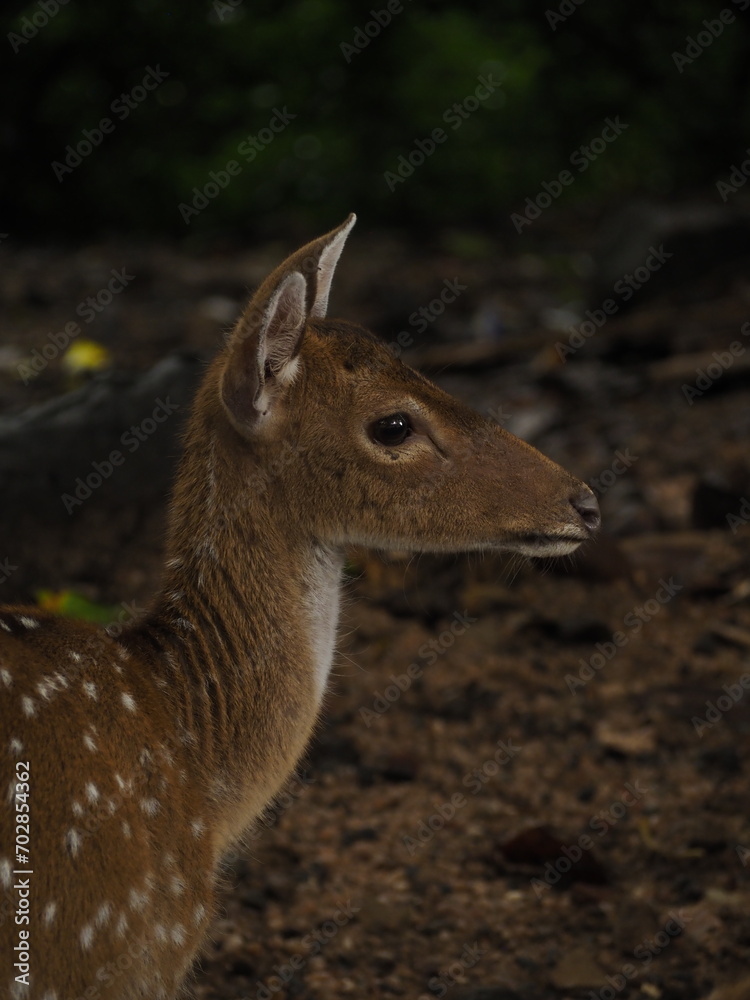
column 151, row 754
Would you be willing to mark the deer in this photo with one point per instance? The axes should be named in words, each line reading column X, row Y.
column 135, row 762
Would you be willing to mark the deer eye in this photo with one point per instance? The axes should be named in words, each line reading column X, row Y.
column 391, row 430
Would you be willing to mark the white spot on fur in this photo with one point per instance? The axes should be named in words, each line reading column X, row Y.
column 150, row 806
column 103, row 914
column 87, row 936
column 6, row 873
column 28, row 705
column 61, row 679
column 75, row 657
column 16, row 746
column 73, row 841
column 123, row 653
column 6, row 677
column 198, row 914
column 121, row 783
column 6, row 626
column 122, row 925
column 128, row 701
column 178, row 934
column 45, row 689
column 176, row 885
column 91, row 690
column 197, row 826
column 50, row 995
column 92, row 792
column 77, row 809
column 160, row 933
column 126, row 829
column 28, row 622
column 137, row 899
column 48, row 914
column 90, row 742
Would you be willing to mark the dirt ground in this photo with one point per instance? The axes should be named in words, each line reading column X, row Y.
column 530, row 781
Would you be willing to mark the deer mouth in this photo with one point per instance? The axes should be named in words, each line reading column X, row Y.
column 547, row 544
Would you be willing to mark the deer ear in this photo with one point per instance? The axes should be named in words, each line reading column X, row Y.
column 317, row 262
column 327, row 261
column 262, row 353
column 265, row 342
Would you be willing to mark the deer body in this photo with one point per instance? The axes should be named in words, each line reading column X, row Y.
column 151, row 754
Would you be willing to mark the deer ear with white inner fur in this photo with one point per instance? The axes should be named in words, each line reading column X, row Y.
column 262, row 355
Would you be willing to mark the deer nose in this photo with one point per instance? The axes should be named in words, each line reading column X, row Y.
column 586, row 504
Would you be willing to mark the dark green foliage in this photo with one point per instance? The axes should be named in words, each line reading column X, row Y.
column 229, row 68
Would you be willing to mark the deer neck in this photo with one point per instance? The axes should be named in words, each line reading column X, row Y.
column 244, row 628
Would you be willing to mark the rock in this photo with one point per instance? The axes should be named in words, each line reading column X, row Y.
column 577, row 970
column 629, row 742
column 539, row 846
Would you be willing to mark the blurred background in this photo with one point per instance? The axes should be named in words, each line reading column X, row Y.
column 361, row 89
column 554, row 224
